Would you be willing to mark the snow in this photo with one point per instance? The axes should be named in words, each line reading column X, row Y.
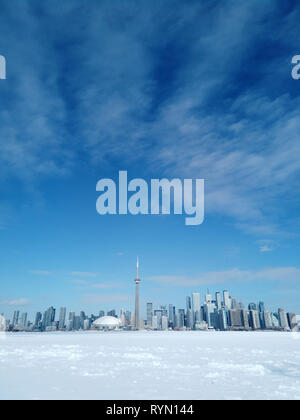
column 150, row 365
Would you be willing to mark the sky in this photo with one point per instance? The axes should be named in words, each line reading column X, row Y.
column 173, row 89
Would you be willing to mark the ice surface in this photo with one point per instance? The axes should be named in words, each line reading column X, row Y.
column 150, row 365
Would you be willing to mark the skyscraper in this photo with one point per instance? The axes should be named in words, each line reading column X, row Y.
column 196, row 306
column 188, row 303
column 180, row 318
column 171, row 316
column 23, row 322
column 38, row 319
column 283, row 319
column 149, row 314
column 226, row 299
column 292, row 320
column 267, row 320
column 137, row 303
column 49, row 317
column 158, row 313
column 16, row 318
column 218, row 300
column 236, row 318
column 62, row 318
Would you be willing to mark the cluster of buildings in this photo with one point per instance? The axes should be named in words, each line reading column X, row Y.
column 220, row 312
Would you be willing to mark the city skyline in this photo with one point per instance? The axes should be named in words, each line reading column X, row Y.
column 130, row 297
column 164, row 90
column 218, row 312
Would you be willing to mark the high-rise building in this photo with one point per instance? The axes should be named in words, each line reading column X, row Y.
column 261, row 307
column 62, row 318
column 87, row 324
column 137, row 303
column 159, row 314
column 208, row 298
column 128, row 317
column 218, row 300
column 196, row 307
column 71, row 323
column 234, row 304
column 38, row 319
column 226, row 299
column 23, row 322
column 188, row 303
column 123, row 319
column 154, row 322
column 164, row 323
column 16, row 318
column 254, row 319
column 82, row 319
column 267, row 320
column 77, row 323
column 180, row 318
column 245, row 318
column 210, row 318
column 275, row 320
column 236, row 318
column 164, row 310
column 222, row 319
column 172, row 316
column 149, row 314
column 283, row 320
column 48, row 318
column 189, row 319
column 292, row 320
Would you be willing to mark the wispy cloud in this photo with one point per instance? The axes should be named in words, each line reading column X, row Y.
column 83, row 284
column 182, row 96
column 106, row 299
column 16, row 302
column 40, row 272
column 267, row 245
column 280, row 274
column 84, row 274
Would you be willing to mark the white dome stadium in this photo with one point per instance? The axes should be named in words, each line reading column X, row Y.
column 107, row 322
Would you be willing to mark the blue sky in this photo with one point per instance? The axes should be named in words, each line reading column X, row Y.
column 187, row 89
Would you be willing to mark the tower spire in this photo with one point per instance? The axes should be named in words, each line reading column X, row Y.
column 137, row 303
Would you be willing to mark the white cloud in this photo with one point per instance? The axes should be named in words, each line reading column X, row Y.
column 104, row 285
column 106, row 299
column 84, row 274
column 16, row 302
column 247, row 150
column 40, row 272
column 280, row 274
column 265, row 248
column 267, row 245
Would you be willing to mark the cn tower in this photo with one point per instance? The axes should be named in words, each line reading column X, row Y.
column 137, row 303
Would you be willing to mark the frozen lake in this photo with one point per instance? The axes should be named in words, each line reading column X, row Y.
column 150, row 365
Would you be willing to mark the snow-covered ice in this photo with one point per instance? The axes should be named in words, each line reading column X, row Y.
column 150, row 365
